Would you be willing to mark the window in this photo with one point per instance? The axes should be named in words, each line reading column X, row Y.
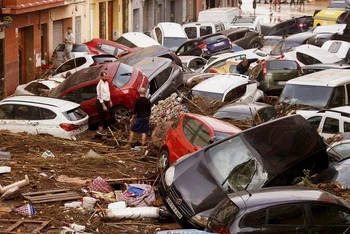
column 196, row 64
column 286, row 215
column 315, row 121
column 236, row 93
column 158, row 35
column 338, row 97
column 27, row 113
column 108, row 49
column 5, row 111
column 334, row 47
column 191, row 32
column 175, row 124
column 328, row 215
column 163, row 76
column 47, row 114
column 331, row 125
column 307, row 59
column 75, row 114
column 82, row 94
column 71, row 64
column 202, row 137
column 255, row 219
column 190, row 128
column 282, row 65
column 205, row 30
column 346, row 127
column 233, row 69
column 123, row 75
column 122, row 40
column 37, row 88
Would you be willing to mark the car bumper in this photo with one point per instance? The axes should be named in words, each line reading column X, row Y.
column 181, row 213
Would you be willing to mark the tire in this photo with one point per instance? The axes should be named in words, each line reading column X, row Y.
column 120, row 112
column 163, row 160
column 255, row 44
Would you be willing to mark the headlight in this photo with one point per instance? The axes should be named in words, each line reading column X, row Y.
column 200, row 220
column 169, row 176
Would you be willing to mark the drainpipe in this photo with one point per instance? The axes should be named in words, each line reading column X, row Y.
column 91, row 22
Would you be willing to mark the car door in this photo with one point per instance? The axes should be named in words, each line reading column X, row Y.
column 317, row 122
column 70, row 66
column 25, row 119
column 329, row 219
column 286, row 219
column 330, row 127
column 47, row 122
column 162, row 85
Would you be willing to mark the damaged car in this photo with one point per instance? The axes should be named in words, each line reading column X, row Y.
column 270, row 154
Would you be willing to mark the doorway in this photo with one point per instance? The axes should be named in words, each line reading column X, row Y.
column 25, row 54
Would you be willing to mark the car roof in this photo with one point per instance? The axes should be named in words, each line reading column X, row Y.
column 221, row 83
column 172, row 29
column 108, row 42
column 329, row 77
column 50, row 82
column 234, row 30
column 206, row 36
column 317, row 52
column 216, row 124
column 327, row 66
column 150, row 51
column 152, row 65
column 243, row 107
column 62, row 105
column 344, row 109
column 283, row 194
column 140, row 39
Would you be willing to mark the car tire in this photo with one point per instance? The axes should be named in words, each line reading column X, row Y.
column 120, row 112
column 255, row 44
column 163, row 160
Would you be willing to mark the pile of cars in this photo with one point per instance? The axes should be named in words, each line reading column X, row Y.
column 215, row 175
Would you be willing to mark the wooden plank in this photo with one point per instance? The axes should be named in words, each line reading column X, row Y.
column 51, row 196
column 48, row 191
column 17, row 223
column 13, row 226
column 54, row 200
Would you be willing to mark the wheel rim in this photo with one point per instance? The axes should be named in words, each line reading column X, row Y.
column 162, row 162
column 121, row 113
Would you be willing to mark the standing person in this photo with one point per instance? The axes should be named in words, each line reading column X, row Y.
column 243, row 66
column 68, row 44
column 292, row 2
column 301, row 4
column 240, row 7
column 141, row 114
column 103, row 102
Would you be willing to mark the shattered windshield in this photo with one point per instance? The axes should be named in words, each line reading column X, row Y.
column 317, row 96
column 236, row 172
column 214, row 96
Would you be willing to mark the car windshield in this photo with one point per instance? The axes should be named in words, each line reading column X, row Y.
column 214, row 96
column 75, row 114
column 240, row 172
column 230, row 115
column 123, row 75
column 316, row 96
column 282, row 65
column 243, row 20
column 173, row 43
column 284, row 46
column 338, row 172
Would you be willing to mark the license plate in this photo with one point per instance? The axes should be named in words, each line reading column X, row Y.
column 282, row 82
column 173, row 208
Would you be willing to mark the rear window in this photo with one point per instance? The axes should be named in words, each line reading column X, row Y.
column 282, row 65
column 122, row 40
column 37, row 88
column 104, row 59
column 191, row 32
column 214, row 38
column 75, row 114
column 123, row 75
column 80, row 48
column 307, row 59
column 223, row 216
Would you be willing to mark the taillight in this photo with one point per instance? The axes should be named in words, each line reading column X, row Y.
column 299, row 68
column 264, row 69
column 301, row 25
column 69, row 127
column 212, row 70
column 280, row 57
column 202, row 46
column 221, row 230
column 54, row 55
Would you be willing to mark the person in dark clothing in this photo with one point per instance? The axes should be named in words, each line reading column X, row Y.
column 142, row 112
column 243, row 66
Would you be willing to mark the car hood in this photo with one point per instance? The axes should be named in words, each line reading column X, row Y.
column 276, row 145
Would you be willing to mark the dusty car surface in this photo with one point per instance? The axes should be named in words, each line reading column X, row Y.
column 255, row 113
column 270, row 154
column 190, row 133
column 281, row 210
column 101, row 46
column 124, row 84
column 151, row 51
column 43, row 115
column 39, row 87
column 164, row 77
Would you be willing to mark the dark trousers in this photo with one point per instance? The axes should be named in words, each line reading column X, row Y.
column 101, row 112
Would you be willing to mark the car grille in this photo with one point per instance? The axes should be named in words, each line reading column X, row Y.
column 174, row 195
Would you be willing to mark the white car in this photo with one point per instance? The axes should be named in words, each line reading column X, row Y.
column 220, row 60
column 38, row 87
column 332, row 121
column 339, row 48
column 248, row 21
column 43, row 115
column 229, row 88
column 310, row 54
column 169, row 34
column 194, row 63
column 136, row 39
column 73, row 65
column 77, row 51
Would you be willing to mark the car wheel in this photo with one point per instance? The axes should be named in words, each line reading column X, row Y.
column 255, row 44
column 163, row 160
column 120, row 112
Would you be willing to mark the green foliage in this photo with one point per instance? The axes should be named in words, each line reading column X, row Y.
column 306, row 179
column 7, row 18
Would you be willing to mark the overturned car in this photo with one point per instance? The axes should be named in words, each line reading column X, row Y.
column 270, row 154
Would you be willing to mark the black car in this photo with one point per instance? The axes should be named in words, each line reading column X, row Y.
column 291, row 26
column 205, row 46
column 150, row 51
column 271, row 154
column 281, row 210
column 244, row 37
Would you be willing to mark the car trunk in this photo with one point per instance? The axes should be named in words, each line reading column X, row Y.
column 280, row 71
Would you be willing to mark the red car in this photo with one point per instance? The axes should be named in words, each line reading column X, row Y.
column 124, row 84
column 101, row 46
column 189, row 134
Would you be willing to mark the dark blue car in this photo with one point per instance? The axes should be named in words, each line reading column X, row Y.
column 206, row 46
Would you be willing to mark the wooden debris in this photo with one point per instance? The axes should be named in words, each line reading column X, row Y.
column 51, row 196
column 17, row 223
